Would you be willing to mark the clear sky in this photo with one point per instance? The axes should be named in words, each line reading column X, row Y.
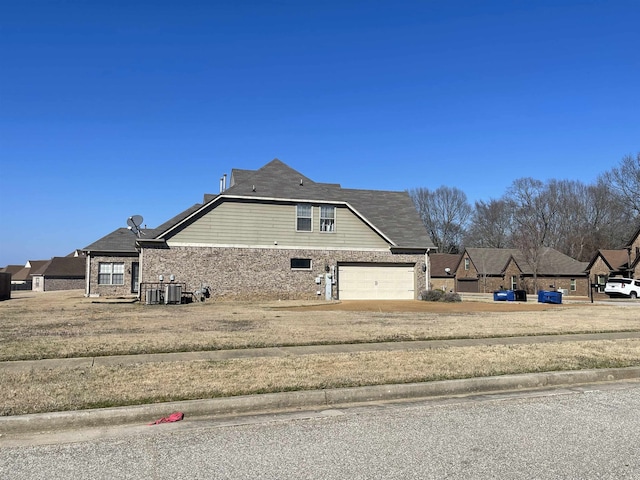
column 115, row 108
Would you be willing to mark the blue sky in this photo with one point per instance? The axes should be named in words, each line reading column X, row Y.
column 114, row 108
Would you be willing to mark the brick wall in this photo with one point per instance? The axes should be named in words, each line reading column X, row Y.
column 53, row 284
column 254, row 273
column 110, row 290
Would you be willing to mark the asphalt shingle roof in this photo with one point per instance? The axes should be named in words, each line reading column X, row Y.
column 440, row 261
column 63, row 267
column 492, row 261
column 616, row 259
column 392, row 213
column 123, row 240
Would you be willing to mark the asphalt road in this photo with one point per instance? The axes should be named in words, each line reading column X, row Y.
column 580, row 433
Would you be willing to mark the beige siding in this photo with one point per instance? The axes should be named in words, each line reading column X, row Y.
column 259, row 224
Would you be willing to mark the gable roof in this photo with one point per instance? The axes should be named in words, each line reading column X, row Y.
column 440, row 261
column 63, row 267
column 24, row 274
column 614, row 259
column 392, row 214
column 493, row 261
column 12, row 269
column 123, row 240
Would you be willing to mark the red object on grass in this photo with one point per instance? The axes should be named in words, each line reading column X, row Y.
column 174, row 417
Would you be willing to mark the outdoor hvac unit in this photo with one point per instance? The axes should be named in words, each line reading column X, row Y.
column 152, row 296
column 172, row 293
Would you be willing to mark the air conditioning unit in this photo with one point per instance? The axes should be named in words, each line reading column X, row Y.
column 563, row 291
column 173, row 293
column 152, row 296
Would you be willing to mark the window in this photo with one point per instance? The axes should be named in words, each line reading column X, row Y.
column 514, row 282
column 111, row 274
column 601, row 281
column 300, row 264
column 304, row 215
column 573, row 285
column 467, row 263
column 327, row 219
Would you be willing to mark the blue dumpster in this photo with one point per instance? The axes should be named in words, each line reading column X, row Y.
column 500, row 296
column 545, row 296
column 504, row 295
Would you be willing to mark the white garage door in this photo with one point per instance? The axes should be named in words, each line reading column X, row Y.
column 375, row 282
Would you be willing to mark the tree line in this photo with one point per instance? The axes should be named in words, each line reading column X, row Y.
column 570, row 216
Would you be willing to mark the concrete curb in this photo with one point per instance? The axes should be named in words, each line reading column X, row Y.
column 312, row 399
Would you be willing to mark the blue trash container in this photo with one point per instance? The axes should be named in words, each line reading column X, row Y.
column 545, row 296
column 500, row 296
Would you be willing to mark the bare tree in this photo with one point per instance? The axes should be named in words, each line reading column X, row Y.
column 590, row 217
column 445, row 213
column 625, row 180
column 491, row 224
column 535, row 210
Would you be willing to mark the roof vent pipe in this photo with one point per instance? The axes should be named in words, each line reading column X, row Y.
column 221, row 190
column 224, row 182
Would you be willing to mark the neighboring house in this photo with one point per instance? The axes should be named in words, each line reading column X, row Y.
column 623, row 262
column 486, row 270
column 275, row 233
column 11, row 269
column 443, row 271
column 112, row 265
column 113, row 262
column 60, row 273
column 608, row 263
column 21, row 280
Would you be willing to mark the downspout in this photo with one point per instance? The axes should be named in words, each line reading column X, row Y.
column 427, row 272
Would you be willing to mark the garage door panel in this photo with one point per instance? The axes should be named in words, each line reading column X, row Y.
column 376, row 282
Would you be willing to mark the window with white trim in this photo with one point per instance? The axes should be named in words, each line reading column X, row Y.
column 573, row 285
column 327, row 218
column 514, row 282
column 467, row 263
column 304, row 218
column 111, row 273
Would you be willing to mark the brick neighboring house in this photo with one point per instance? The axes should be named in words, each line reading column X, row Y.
column 275, row 233
column 623, row 262
column 486, row 270
column 59, row 273
column 443, row 271
column 22, row 280
column 113, row 261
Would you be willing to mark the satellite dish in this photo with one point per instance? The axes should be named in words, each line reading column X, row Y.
column 448, row 270
column 134, row 223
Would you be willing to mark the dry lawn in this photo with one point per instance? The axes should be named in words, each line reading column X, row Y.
column 65, row 324
column 55, row 325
